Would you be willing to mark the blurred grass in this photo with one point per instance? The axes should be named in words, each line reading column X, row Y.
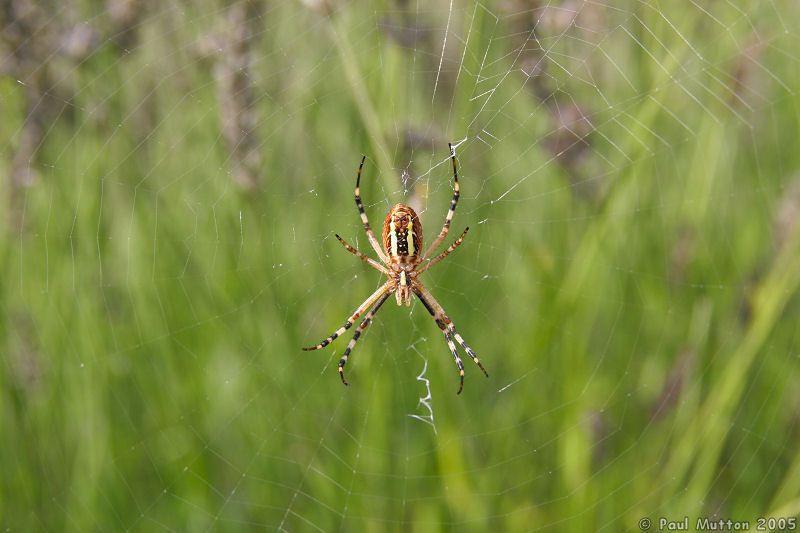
column 636, row 305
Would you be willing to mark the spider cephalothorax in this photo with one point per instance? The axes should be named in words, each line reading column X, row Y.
column 403, row 259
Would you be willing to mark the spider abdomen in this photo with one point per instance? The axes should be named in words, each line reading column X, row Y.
column 402, row 234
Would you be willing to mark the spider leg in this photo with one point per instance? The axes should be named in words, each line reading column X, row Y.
column 444, row 254
column 370, row 235
column 467, row 349
column 359, row 330
column 447, row 327
column 371, row 262
column 384, row 290
column 446, row 227
column 459, row 364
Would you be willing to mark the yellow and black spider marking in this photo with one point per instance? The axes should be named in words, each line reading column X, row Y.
column 402, row 234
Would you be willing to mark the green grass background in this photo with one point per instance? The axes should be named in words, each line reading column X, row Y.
column 152, row 312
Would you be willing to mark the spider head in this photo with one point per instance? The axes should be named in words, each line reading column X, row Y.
column 402, row 234
column 402, row 289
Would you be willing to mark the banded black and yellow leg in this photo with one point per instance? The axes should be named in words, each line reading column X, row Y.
column 453, row 203
column 452, row 347
column 371, row 262
column 444, row 254
column 370, row 235
column 467, row 349
column 383, row 291
column 359, row 330
column 447, row 327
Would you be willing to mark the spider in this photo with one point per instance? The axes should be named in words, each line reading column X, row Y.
column 402, row 264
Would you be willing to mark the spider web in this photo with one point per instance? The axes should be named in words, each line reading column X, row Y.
column 176, row 174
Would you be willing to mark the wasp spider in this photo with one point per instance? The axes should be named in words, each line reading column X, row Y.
column 402, row 264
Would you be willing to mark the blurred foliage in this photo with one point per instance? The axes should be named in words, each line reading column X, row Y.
column 174, row 175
